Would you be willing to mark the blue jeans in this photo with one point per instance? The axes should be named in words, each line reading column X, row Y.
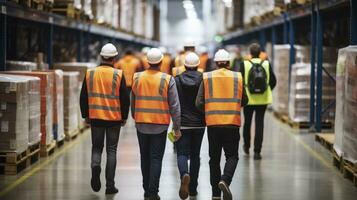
column 112, row 137
column 189, row 147
column 152, row 148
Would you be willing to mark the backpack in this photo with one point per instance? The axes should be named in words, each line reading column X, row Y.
column 257, row 78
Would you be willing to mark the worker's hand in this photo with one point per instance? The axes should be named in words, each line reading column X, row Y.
column 123, row 123
column 87, row 120
column 177, row 135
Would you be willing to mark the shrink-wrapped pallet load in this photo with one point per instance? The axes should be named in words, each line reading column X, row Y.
column 14, row 113
column 70, row 102
column 82, row 69
column 21, row 65
column 34, row 98
column 346, row 104
column 46, row 91
column 281, row 69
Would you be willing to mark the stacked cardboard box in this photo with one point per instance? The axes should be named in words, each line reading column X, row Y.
column 21, row 65
column 70, row 101
column 82, row 69
column 14, row 113
column 46, row 92
column 346, row 104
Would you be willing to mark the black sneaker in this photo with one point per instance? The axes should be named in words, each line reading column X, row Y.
column 193, row 195
column 246, row 150
column 185, row 182
column 257, row 156
column 95, row 181
column 112, row 190
column 227, row 195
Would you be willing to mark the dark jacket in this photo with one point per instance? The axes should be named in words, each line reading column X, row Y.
column 187, row 85
column 124, row 104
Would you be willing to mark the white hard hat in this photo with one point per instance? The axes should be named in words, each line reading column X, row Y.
column 145, row 50
column 109, row 51
column 192, row 60
column 189, row 43
column 154, row 56
column 221, row 55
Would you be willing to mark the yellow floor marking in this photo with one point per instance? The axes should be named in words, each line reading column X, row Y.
column 41, row 165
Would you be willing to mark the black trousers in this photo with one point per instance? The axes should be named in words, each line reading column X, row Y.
column 111, row 134
column 152, row 148
column 226, row 138
column 259, row 126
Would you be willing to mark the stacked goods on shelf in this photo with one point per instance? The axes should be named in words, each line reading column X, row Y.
column 139, row 20
column 69, row 8
column 254, row 9
column 106, row 12
column 346, row 105
column 230, row 16
column 21, row 65
column 46, row 92
column 70, row 102
column 34, row 107
column 149, row 23
column 82, row 69
column 87, row 9
column 299, row 99
column 14, row 112
column 126, row 15
column 281, row 69
column 58, row 130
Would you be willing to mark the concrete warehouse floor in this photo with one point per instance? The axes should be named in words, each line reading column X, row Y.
column 294, row 167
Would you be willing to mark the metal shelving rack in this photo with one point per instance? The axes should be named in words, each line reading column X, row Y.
column 84, row 31
column 314, row 11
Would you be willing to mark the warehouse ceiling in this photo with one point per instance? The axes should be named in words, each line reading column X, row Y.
column 176, row 11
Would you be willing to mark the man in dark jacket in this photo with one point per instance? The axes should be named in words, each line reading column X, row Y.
column 192, row 127
column 104, row 103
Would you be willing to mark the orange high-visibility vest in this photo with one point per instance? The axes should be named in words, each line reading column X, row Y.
column 166, row 64
column 129, row 64
column 178, row 70
column 145, row 62
column 203, row 62
column 180, row 59
column 103, row 85
column 151, row 97
column 223, row 95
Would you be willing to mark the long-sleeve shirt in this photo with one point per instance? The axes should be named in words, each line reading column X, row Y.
column 174, row 108
column 124, row 104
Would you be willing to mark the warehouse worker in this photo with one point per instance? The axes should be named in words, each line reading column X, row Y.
column 179, row 66
column 192, row 127
column 144, row 59
column 237, row 59
column 205, row 61
column 130, row 64
column 104, row 103
column 154, row 100
column 165, row 66
column 221, row 96
column 260, row 80
column 262, row 56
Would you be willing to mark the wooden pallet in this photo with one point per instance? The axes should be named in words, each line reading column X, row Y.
column 82, row 130
column 306, row 125
column 68, row 10
column 326, row 139
column 33, row 153
column 61, row 143
column 47, row 150
column 350, row 171
column 12, row 163
column 337, row 160
column 282, row 117
column 72, row 135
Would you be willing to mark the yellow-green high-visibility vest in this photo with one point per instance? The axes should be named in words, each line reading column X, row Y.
column 258, row 99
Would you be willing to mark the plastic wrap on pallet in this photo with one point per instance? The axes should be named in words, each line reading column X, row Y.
column 82, row 69
column 87, row 8
column 14, row 111
column 46, row 92
column 21, row 65
column 346, row 104
column 299, row 101
column 281, row 69
column 70, row 101
column 139, row 17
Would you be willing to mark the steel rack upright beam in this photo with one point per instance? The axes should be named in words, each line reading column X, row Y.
column 353, row 22
column 312, row 71
column 292, row 50
column 3, row 22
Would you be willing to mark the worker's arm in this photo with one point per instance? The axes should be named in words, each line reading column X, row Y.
column 174, row 104
column 132, row 100
column 272, row 82
column 124, row 99
column 241, row 68
column 84, row 100
column 245, row 99
column 200, row 99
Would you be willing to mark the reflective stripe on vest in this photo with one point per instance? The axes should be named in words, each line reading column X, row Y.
column 223, row 95
column 258, row 99
column 103, row 85
column 151, row 97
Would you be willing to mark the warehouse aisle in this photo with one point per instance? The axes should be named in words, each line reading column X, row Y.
column 291, row 169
